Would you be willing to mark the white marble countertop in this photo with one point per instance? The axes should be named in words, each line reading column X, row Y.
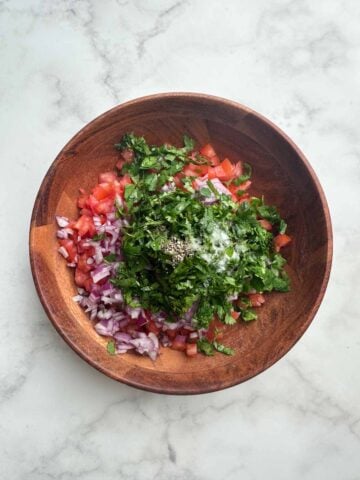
column 62, row 64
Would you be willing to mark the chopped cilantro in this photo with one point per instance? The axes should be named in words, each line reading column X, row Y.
column 98, row 236
column 111, row 347
column 179, row 252
column 205, row 346
column 222, row 349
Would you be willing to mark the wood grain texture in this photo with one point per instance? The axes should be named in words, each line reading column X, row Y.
column 280, row 172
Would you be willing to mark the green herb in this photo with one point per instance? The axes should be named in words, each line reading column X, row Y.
column 98, row 236
column 179, row 252
column 222, row 349
column 205, row 347
column 248, row 314
column 271, row 214
column 111, row 347
column 110, row 258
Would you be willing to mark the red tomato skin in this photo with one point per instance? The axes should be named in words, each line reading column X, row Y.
column 281, row 241
column 191, row 349
column 256, row 299
column 181, row 347
column 208, row 151
column 107, row 177
column 70, row 247
column 151, row 327
column 265, row 224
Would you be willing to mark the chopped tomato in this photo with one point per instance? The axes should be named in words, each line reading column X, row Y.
column 172, row 334
column 239, row 188
column 81, row 278
column 127, row 155
column 238, row 170
column 178, row 345
column 265, row 224
column 82, row 263
column 152, row 327
column 227, row 166
column 125, row 180
column 256, row 299
column 86, row 211
column 197, row 169
column 85, row 225
column 216, row 172
column 103, row 190
column 105, row 206
column 215, row 330
column 70, row 247
column 215, row 161
column 225, row 171
column 280, row 241
column 208, row 151
column 107, row 177
column 191, row 349
column 235, row 315
column 189, row 172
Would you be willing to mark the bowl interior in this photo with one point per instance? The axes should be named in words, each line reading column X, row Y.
column 280, row 173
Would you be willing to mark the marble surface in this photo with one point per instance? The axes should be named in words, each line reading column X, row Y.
column 62, row 64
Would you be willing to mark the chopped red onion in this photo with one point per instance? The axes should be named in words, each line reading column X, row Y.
column 63, row 252
column 62, row 221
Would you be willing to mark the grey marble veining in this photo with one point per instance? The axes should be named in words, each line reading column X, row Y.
column 63, row 63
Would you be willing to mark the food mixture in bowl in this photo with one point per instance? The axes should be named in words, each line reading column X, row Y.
column 171, row 248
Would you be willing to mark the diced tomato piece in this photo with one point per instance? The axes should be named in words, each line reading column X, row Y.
column 127, row 155
column 191, row 349
column 88, row 284
column 81, row 278
column 178, row 344
column 281, row 241
column 216, row 172
column 107, row 177
column 228, row 167
column 197, row 169
column 238, row 170
column 215, row 331
column 85, row 225
column 82, row 263
column 224, row 171
column 256, row 299
column 188, row 171
column 92, row 203
column 86, row 211
column 265, row 224
column 239, row 188
column 215, row 161
column 152, row 327
column 208, row 151
column 125, row 180
column 172, row 333
column 70, row 247
column 105, row 206
column 103, row 190
column 235, row 315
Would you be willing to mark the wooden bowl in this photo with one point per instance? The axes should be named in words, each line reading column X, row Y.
column 280, row 172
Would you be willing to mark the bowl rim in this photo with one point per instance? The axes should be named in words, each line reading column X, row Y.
column 324, row 205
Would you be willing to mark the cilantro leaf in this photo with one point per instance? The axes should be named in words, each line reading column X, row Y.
column 222, row 349
column 111, row 347
column 205, row 347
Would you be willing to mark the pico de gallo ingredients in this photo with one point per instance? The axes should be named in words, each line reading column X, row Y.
column 171, row 248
